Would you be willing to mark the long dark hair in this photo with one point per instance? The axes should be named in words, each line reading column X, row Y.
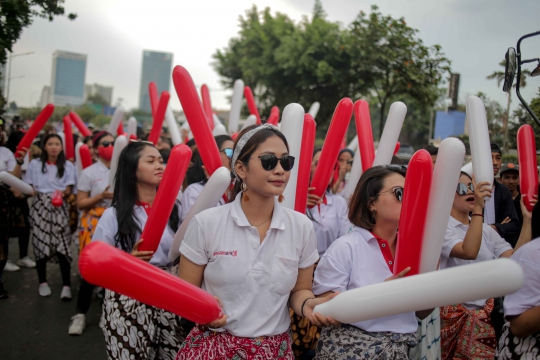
column 126, row 195
column 369, row 186
column 60, row 160
column 250, row 147
column 195, row 173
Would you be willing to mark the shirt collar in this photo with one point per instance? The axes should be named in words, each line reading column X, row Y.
column 102, row 166
column 366, row 234
column 239, row 217
column 454, row 223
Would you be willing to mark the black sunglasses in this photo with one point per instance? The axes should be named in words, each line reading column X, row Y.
column 269, row 162
column 397, row 191
column 106, row 143
column 462, row 189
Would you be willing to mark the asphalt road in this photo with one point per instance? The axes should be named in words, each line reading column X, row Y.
column 35, row 327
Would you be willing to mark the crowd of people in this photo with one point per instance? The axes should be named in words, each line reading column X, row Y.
column 267, row 265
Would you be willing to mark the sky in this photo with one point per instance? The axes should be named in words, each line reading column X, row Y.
column 474, row 35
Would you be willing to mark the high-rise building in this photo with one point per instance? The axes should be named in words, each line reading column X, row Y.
column 45, row 97
column 68, row 75
column 156, row 67
column 95, row 89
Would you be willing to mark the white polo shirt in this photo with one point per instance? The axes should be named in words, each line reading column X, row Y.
column 48, row 182
column 7, row 159
column 330, row 221
column 189, row 197
column 94, row 180
column 252, row 279
column 353, row 261
column 492, row 246
column 107, row 228
column 528, row 257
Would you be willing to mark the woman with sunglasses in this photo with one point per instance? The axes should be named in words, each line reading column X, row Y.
column 133, row 329
column 93, row 197
column 254, row 255
column 197, row 176
column 466, row 330
column 51, row 235
column 365, row 256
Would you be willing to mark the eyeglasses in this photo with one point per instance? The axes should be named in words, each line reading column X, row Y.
column 462, row 189
column 106, row 143
column 397, row 191
column 228, row 152
column 269, row 162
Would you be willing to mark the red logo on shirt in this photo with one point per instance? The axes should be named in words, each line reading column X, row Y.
column 233, row 253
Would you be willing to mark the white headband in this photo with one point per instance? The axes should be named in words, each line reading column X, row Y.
column 243, row 141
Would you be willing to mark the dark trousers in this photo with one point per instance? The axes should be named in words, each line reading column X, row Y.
column 41, row 266
column 21, row 226
column 85, row 296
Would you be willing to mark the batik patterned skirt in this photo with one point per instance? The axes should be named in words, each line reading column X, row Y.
column 203, row 344
column 512, row 347
column 134, row 330
column 348, row 342
column 467, row 334
column 50, row 228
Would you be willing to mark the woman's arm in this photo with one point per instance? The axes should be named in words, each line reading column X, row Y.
column 526, row 324
column 85, row 202
column 190, row 272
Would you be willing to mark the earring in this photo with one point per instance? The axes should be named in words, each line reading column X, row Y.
column 281, row 198
column 244, row 188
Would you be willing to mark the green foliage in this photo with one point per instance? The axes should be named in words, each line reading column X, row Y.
column 376, row 57
column 97, row 99
column 522, row 117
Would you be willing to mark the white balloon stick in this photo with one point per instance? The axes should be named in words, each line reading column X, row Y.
column 119, row 144
column 176, row 138
column 314, row 109
column 441, row 197
column 63, row 137
column 353, row 145
column 26, row 161
column 219, row 130
column 15, row 182
column 390, row 134
column 236, row 106
column 217, row 121
column 479, row 140
column 116, row 119
column 210, row 195
column 78, row 158
column 132, row 127
column 251, row 120
column 356, row 173
column 456, row 285
column 292, row 126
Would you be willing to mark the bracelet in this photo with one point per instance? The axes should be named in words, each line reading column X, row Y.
column 304, row 303
column 20, row 163
column 477, row 215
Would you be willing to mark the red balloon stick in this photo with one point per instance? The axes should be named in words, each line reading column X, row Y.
column 248, row 94
column 365, row 134
column 159, row 116
column 69, row 149
column 31, row 134
column 86, row 157
column 304, row 165
column 76, row 119
column 528, row 166
column 207, row 105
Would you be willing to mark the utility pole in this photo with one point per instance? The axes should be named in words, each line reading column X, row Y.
column 8, row 79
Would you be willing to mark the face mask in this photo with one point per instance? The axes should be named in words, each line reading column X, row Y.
column 106, row 153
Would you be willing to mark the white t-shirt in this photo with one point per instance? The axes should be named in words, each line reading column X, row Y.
column 252, row 279
column 353, row 261
column 107, row 228
column 94, row 180
column 48, row 182
column 189, row 197
column 330, row 221
column 7, row 159
column 528, row 257
column 492, row 246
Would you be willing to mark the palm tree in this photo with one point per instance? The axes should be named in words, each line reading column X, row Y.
column 499, row 76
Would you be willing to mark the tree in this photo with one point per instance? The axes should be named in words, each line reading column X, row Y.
column 499, row 76
column 97, row 99
column 521, row 117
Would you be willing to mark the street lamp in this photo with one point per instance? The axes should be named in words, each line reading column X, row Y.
column 11, row 56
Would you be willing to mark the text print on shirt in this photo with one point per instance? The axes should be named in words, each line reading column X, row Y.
column 233, row 253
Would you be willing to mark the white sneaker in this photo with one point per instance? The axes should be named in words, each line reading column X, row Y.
column 44, row 289
column 11, row 266
column 26, row 262
column 66, row 293
column 77, row 325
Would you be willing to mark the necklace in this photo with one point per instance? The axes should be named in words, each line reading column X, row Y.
column 260, row 223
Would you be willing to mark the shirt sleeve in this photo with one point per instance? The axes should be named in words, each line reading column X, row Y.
column 11, row 162
column 451, row 239
column 188, row 199
column 529, row 295
column 309, row 254
column 30, row 172
column 71, row 174
column 343, row 213
column 84, row 183
column 334, row 270
column 106, row 228
column 499, row 245
column 193, row 245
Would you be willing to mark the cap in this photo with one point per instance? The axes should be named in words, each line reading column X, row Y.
column 496, row 148
column 509, row 167
column 91, row 125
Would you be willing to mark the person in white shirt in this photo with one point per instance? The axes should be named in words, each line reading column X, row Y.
column 254, row 255
column 93, row 197
column 521, row 332
column 365, row 257
column 197, row 176
column 50, row 225
column 133, row 329
column 466, row 330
